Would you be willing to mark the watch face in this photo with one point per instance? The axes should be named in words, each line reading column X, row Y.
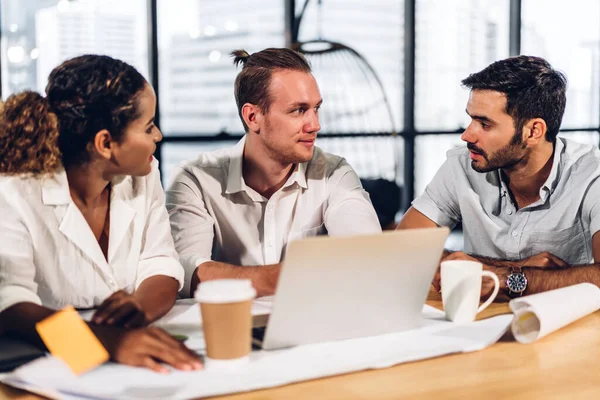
column 516, row 282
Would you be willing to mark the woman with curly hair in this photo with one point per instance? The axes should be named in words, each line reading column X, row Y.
column 83, row 212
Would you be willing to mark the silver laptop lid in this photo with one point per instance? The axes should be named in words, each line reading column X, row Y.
column 334, row 288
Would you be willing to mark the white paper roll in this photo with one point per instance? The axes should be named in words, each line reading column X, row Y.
column 540, row 314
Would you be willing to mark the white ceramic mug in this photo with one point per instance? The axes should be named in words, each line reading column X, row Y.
column 461, row 289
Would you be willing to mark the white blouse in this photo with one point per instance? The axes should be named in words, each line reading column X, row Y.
column 50, row 256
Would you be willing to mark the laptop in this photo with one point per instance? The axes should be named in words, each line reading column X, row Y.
column 335, row 288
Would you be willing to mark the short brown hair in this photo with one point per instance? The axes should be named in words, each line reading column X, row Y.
column 252, row 83
column 84, row 95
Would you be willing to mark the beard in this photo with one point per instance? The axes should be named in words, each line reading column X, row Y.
column 506, row 157
column 283, row 152
column 285, row 155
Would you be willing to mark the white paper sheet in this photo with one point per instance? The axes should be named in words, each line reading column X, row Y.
column 185, row 319
column 266, row 369
column 538, row 315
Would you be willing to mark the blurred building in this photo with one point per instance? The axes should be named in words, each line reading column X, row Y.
column 70, row 29
column 198, row 94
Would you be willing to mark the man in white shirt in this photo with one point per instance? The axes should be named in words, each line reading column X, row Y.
column 233, row 211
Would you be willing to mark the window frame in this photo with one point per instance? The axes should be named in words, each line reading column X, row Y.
column 291, row 23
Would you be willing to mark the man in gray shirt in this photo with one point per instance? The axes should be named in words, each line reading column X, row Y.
column 529, row 202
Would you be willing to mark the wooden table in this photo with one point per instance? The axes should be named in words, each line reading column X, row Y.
column 565, row 364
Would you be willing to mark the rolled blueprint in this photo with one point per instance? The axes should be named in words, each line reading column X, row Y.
column 537, row 315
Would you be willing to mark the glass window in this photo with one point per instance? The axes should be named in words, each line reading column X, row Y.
column 371, row 156
column 174, row 154
column 586, row 137
column 357, row 99
column 569, row 38
column 430, row 154
column 196, row 71
column 37, row 35
column 454, row 39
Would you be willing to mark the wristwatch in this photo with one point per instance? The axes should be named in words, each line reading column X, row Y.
column 516, row 282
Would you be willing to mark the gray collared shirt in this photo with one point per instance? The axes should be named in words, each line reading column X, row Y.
column 561, row 222
column 216, row 216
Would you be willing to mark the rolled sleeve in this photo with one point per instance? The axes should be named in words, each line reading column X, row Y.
column 349, row 209
column 439, row 202
column 17, row 268
column 158, row 256
column 192, row 226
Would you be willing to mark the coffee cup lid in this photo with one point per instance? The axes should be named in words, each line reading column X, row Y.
column 225, row 291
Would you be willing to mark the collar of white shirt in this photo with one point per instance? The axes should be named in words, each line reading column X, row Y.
column 235, row 179
column 55, row 192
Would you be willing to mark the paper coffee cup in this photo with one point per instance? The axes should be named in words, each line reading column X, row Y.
column 225, row 305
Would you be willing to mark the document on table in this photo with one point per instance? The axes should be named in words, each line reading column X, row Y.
column 538, row 315
column 266, row 369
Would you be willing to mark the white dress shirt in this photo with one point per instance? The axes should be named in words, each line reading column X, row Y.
column 50, row 256
column 216, row 216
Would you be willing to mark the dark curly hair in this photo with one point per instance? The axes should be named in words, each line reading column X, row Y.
column 252, row 83
column 532, row 87
column 84, row 95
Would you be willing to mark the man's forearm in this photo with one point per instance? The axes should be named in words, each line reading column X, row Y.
column 157, row 295
column 543, row 279
column 494, row 262
column 541, row 260
column 264, row 277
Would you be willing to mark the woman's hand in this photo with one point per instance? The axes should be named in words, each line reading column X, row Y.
column 122, row 309
column 147, row 347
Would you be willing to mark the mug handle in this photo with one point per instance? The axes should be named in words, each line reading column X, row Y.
column 494, row 293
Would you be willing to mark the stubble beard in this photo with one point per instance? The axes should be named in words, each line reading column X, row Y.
column 506, row 157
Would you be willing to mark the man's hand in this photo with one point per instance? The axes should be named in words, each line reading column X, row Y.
column 545, row 260
column 122, row 309
column 487, row 284
column 268, row 285
column 458, row 255
column 447, row 256
column 149, row 346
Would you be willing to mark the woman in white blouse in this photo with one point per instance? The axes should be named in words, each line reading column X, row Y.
column 83, row 219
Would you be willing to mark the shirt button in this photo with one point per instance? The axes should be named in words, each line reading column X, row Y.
column 515, row 234
column 509, row 212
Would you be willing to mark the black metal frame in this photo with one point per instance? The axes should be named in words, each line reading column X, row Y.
column 153, row 61
column 409, row 131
